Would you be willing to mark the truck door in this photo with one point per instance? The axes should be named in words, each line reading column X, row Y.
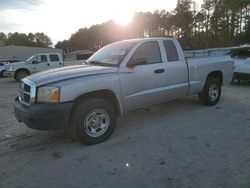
column 176, row 71
column 40, row 63
column 144, row 84
column 54, row 61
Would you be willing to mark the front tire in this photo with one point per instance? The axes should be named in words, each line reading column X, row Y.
column 211, row 92
column 94, row 121
column 2, row 74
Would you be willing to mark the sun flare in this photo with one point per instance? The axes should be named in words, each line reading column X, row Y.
column 123, row 19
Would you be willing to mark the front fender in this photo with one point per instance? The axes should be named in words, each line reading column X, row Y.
column 73, row 88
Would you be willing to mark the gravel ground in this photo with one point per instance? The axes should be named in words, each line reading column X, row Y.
column 176, row 144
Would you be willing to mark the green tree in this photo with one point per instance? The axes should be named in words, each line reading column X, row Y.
column 42, row 40
column 183, row 22
column 21, row 39
column 64, row 45
column 217, row 23
column 3, row 38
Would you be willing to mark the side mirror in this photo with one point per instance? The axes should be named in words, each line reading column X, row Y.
column 35, row 62
column 137, row 61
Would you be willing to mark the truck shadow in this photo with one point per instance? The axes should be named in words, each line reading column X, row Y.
column 241, row 83
column 155, row 115
column 9, row 80
column 40, row 141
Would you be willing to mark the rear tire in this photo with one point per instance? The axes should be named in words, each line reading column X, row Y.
column 20, row 74
column 94, row 121
column 211, row 92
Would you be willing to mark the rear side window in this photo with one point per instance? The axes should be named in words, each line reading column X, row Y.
column 149, row 51
column 171, row 51
column 54, row 58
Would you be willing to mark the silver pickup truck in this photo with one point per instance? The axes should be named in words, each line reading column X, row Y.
column 122, row 76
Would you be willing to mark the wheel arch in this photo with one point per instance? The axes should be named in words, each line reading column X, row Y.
column 108, row 95
column 216, row 74
column 21, row 69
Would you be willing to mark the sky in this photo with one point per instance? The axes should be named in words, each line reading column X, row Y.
column 60, row 18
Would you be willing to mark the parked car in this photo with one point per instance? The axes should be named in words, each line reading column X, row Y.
column 120, row 77
column 2, row 69
column 241, row 56
column 3, row 65
column 35, row 63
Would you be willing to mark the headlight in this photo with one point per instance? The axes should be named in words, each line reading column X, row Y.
column 48, row 94
column 11, row 68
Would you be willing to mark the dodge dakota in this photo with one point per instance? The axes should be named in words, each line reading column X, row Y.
column 120, row 77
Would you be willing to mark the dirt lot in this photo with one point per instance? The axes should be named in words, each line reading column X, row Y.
column 176, row 144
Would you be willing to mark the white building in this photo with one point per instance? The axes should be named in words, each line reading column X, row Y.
column 79, row 55
column 23, row 52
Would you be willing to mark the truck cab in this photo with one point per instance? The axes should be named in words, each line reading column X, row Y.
column 35, row 63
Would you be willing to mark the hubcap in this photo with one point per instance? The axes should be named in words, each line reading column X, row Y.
column 213, row 92
column 96, row 122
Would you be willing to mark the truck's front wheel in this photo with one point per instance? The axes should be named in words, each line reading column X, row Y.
column 2, row 74
column 211, row 92
column 94, row 121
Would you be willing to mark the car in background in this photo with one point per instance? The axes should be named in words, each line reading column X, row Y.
column 241, row 56
column 2, row 69
column 3, row 65
column 37, row 63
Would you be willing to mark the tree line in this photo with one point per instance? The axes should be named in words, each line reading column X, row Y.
column 22, row 39
column 217, row 23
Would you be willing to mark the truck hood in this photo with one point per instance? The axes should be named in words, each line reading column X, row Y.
column 69, row 72
column 17, row 64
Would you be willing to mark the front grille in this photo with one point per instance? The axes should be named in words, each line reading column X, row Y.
column 26, row 88
column 26, row 97
column 24, row 93
column 27, row 92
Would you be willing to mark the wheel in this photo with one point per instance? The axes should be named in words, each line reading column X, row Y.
column 94, row 121
column 2, row 73
column 20, row 74
column 211, row 92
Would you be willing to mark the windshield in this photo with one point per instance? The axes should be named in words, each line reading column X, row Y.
column 112, row 54
column 31, row 58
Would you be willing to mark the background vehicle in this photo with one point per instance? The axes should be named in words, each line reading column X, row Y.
column 3, row 65
column 2, row 69
column 118, row 78
column 241, row 56
column 36, row 63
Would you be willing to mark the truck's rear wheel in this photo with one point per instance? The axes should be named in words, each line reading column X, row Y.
column 94, row 121
column 20, row 74
column 211, row 92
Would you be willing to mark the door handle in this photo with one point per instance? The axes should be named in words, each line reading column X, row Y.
column 60, row 63
column 48, row 64
column 158, row 71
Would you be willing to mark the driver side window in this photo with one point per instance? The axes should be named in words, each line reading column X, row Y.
column 150, row 51
column 41, row 59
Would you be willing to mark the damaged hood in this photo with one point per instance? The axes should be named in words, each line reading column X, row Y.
column 69, row 72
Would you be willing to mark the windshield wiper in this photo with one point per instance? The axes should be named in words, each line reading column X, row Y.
column 95, row 62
